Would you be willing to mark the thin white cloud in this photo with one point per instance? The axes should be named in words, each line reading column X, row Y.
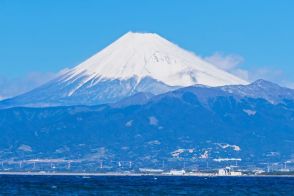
column 289, row 84
column 232, row 63
column 225, row 62
column 267, row 73
column 10, row 87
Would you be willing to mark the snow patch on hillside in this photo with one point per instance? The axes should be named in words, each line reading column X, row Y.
column 234, row 147
column 204, row 155
column 25, row 148
column 129, row 123
column 178, row 152
column 153, row 121
column 249, row 112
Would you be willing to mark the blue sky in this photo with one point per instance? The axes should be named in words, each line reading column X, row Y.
column 249, row 38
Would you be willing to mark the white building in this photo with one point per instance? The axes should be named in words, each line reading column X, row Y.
column 227, row 172
column 235, row 173
column 223, row 172
column 151, row 171
column 177, row 172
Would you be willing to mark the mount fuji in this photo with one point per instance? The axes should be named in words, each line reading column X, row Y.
column 135, row 63
column 158, row 102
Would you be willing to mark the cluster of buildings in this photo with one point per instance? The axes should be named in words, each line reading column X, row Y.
column 129, row 167
column 221, row 172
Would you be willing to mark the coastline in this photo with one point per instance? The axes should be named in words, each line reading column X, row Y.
column 114, row 174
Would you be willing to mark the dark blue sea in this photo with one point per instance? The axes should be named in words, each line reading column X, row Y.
column 146, row 185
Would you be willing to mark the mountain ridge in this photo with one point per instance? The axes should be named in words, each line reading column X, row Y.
column 136, row 62
column 152, row 131
column 260, row 89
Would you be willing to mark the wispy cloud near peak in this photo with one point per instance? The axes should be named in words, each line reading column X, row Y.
column 10, row 87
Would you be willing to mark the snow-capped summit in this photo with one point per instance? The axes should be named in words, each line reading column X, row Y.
column 136, row 62
column 140, row 55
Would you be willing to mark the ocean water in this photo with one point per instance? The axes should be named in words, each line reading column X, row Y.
column 144, row 185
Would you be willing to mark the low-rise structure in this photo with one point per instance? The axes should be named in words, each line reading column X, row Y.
column 177, row 172
column 228, row 172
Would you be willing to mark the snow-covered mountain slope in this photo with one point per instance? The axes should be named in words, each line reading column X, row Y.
column 141, row 55
column 136, row 62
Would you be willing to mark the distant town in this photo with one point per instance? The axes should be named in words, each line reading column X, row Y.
column 122, row 168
